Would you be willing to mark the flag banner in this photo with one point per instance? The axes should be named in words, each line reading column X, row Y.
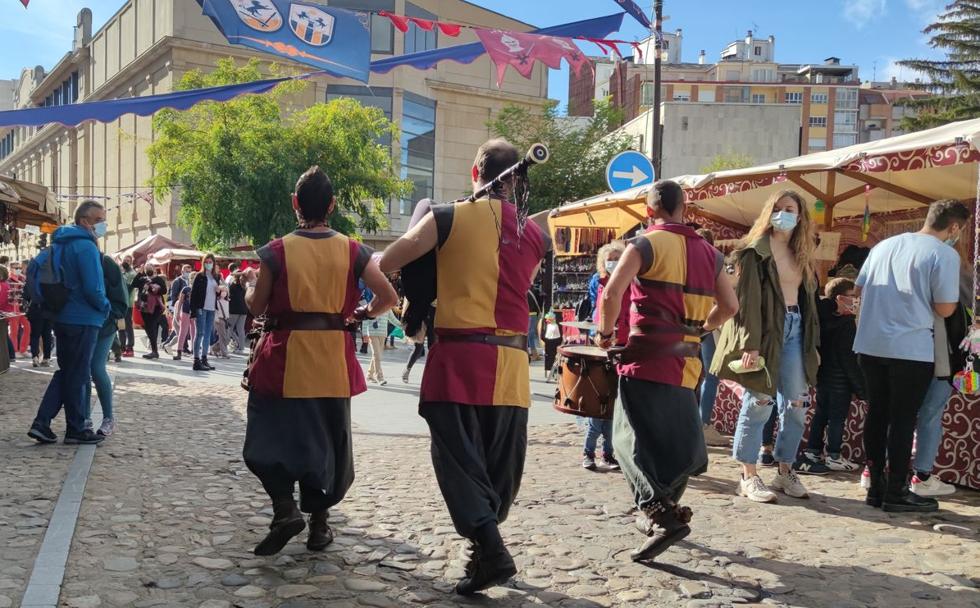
column 520, row 51
column 75, row 114
column 25, row 2
column 334, row 40
column 631, row 7
column 600, row 27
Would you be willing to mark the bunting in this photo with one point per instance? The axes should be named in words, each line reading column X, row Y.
column 636, row 12
column 520, row 51
column 866, row 220
column 25, row 2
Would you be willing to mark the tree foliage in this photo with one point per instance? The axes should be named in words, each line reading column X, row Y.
column 729, row 160
column 955, row 81
column 580, row 150
column 234, row 164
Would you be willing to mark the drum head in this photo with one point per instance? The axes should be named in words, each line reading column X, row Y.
column 587, row 352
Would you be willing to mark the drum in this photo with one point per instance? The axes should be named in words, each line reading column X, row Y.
column 587, row 382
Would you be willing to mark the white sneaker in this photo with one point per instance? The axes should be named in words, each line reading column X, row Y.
column 755, row 490
column 865, row 479
column 931, row 487
column 790, row 485
column 107, row 427
column 713, row 438
column 35, row 361
column 840, row 464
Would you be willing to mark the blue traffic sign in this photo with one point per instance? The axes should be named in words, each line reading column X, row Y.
column 628, row 170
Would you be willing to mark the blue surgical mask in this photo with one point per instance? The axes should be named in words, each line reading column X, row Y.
column 611, row 265
column 784, row 221
column 185, row 275
column 208, row 266
column 100, row 229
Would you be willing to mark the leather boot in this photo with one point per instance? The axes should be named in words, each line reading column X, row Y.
column 207, row 366
column 665, row 523
column 490, row 564
column 198, row 367
column 876, row 490
column 898, row 498
column 321, row 534
column 287, row 522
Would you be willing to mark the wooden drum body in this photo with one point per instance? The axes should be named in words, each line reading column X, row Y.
column 587, row 382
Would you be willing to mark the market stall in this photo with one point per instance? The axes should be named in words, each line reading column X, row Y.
column 861, row 194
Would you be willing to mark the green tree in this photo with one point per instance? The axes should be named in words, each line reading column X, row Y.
column 580, row 150
column 954, row 81
column 234, row 164
column 729, row 160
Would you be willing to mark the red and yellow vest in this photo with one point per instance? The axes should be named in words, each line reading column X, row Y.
column 483, row 272
column 671, row 298
column 313, row 272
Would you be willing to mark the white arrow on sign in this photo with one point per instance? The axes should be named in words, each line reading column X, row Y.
column 635, row 175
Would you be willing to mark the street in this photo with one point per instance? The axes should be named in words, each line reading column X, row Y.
column 169, row 515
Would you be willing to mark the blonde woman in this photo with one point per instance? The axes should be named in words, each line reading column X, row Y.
column 775, row 333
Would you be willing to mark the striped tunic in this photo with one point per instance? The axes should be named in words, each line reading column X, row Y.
column 484, row 271
column 671, row 298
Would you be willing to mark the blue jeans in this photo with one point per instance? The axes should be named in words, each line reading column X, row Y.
column 532, row 333
column 929, row 426
column 76, row 343
column 709, row 386
column 202, row 341
column 791, row 389
column 103, row 383
column 595, row 427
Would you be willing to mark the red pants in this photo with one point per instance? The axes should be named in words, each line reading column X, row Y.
column 16, row 323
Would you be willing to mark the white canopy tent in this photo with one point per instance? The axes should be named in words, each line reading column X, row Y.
column 894, row 174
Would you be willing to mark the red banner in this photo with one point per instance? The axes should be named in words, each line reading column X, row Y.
column 520, row 51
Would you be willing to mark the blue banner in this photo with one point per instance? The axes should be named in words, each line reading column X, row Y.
column 333, row 40
column 600, row 27
column 630, row 7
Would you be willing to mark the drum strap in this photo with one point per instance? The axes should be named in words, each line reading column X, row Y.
column 519, row 342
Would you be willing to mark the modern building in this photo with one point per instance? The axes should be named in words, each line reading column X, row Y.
column 762, row 132
column 880, row 111
column 746, row 73
column 148, row 45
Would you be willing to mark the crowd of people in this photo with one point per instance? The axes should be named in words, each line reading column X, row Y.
column 678, row 315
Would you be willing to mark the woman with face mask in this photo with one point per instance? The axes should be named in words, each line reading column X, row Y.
column 770, row 346
column 204, row 298
column 606, row 261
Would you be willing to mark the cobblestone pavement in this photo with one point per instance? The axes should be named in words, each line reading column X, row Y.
column 170, row 515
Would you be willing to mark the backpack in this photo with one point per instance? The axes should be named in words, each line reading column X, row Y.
column 46, row 283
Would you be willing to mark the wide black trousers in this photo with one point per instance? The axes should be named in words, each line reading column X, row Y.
column 478, row 455
column 658, row 439
column 304, row 441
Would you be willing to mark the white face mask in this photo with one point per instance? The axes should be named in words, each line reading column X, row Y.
column 611, row 265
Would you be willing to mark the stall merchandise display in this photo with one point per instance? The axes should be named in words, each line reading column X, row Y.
column 571, row 280
column 581, row 241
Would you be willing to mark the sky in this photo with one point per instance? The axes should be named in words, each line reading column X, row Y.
column 872, row 34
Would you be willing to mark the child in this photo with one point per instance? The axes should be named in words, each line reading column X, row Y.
column 837, row 379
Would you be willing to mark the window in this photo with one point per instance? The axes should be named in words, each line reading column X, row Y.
column 758, row 51
column 6, row 145
column 844, row 139
column 372, row 97
column 818, row 98
column 646, row 94
column 845, row 119
column 418, row 149
column 817, row 143
column 732, row 75
column 846, row 99
column 794, row 98
column 665, row 44
column 682, row 97
column 737, row 94
column 417, row 39
column 382, row 31
column 707, row 95
column 818, row 121
column 758, row 98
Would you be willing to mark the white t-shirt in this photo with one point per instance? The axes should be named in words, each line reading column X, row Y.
column 210, row 295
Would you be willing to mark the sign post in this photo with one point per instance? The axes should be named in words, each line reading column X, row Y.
column 628, row 170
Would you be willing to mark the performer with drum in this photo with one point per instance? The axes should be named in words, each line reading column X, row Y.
column 476, row 386
column 679, row 293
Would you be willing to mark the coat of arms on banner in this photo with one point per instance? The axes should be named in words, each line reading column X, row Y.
column 259, row 15
column 311, row 24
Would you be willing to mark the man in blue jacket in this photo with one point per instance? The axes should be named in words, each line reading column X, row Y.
column 77, row 325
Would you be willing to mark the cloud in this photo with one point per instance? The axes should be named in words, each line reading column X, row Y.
column 861, row 12
column 900, row 73
column 926, row 11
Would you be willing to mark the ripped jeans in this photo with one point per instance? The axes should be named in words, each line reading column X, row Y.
column 791, row 399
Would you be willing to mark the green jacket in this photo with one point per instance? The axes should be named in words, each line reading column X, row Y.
column 118, row 294
column 758, row 325
column 128, row 276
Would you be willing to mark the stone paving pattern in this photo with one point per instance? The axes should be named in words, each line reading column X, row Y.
column 171, row 513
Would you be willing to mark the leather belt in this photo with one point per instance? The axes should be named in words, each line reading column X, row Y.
column 794, row 308
column 519, row 342
column 640, row 349
column 306, row 321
